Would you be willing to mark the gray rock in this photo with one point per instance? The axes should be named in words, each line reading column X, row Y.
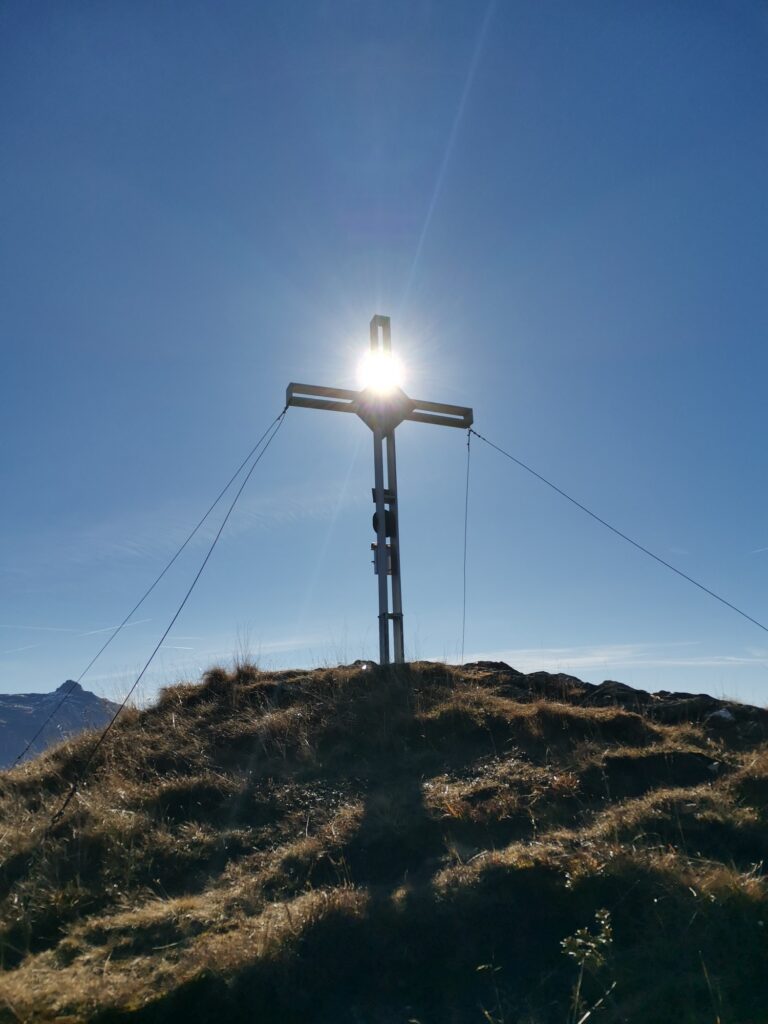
column 722, row 718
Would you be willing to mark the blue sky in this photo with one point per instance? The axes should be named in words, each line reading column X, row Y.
column 563, row 209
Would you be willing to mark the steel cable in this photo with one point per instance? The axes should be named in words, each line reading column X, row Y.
column 118, row 629
column 81, row 774
column 623, row 536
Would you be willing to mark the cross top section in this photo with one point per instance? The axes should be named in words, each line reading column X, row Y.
column 381, row 334
column 383, row 411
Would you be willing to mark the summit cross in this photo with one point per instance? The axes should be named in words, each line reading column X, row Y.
column 383, row 411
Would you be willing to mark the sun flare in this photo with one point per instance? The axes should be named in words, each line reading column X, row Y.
column 380, row 372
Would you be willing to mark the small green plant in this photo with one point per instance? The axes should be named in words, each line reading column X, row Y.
column 591, row 950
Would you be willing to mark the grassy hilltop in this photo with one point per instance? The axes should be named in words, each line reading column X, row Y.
column 429, row 845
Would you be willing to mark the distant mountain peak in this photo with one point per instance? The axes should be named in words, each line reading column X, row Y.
column 48, row 718
column 70, row 687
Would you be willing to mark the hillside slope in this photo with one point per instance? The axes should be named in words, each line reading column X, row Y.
column 428, row 845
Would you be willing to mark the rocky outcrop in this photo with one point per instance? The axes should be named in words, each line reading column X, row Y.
column 664, row 706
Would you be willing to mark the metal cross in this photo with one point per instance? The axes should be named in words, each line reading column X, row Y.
column 383, row 413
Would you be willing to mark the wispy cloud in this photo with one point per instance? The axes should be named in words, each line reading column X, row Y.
column 759, row 551
column 41, row 629
column 69, row 629
column 617, row 656
column 205, row 657
column 18, row 650
column 110, row 629
column 155, row 533
column 294, row 507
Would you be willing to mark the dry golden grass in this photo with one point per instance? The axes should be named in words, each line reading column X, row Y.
column 361, row 845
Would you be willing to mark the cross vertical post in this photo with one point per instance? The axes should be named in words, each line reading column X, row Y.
column 383, row 406
column 380, row 552
column 387, row 555
column 397, row 594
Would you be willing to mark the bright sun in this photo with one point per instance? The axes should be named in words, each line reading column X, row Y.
column 380, row 372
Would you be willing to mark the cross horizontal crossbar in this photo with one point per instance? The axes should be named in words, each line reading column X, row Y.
column 314, row 396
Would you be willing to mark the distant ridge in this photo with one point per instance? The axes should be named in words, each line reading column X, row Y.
column 22, row 714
